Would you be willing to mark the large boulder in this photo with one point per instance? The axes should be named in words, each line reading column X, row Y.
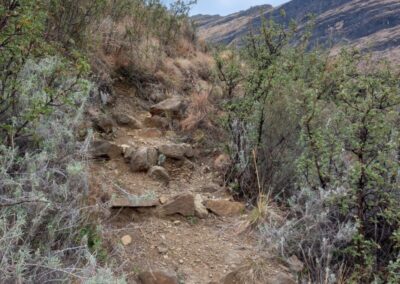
column 170, row 107
column 127, row 121
column 224, row 208
column 176, row 151
column 157, row 277
column 105, row 150
column 159, row 174
column 143, row 158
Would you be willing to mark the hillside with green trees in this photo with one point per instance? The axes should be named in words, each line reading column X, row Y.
column 133, row 152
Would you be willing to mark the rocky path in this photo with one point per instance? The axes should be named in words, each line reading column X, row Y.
column 169, row 220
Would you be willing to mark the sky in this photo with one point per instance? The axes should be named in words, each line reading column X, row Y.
column 225, row 7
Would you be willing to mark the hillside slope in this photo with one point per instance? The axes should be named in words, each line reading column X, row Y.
column 372, row 24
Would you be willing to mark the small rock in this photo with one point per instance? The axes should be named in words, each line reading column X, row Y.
column 103, row 124
column 211, row 188
column 160, row 174
column 163, row 199
column 295, row 264
column 128, row 153
column 158, row 96
column 126, row 240
column 127, row 121
column 224, row 207
column 157, row 277
column 222, row 163
column 200, row 209
column 176, row 151
column 162, row 248
column 282, row 278
column 182, row 204
column 173, row 106
column 156, row 122
column 151, row 133
column 105, row 150
column 143, row 159
column 181, row 261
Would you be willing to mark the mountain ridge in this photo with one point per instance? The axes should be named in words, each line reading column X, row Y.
column 370, row 24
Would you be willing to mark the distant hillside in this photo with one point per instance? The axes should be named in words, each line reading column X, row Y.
column 372, row 24
column 228, row 29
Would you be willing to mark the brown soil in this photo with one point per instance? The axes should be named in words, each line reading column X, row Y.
column 197, row 250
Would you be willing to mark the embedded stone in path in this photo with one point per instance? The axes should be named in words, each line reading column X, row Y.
column 186, row 205
column 105, row 150
column 127, row 121
column 151, row 133
column 134, row 202
column 172, row 106
column 103, row 124
column 225, row 208
column 143, row 159
column 159, row 174
column 200, row 210
column 176, row 151
column 156, row 122
column 157, row 277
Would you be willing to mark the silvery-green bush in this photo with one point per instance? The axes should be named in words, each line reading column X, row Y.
column 45, row 229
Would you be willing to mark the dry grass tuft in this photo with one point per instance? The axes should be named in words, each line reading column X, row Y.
column 199, row 112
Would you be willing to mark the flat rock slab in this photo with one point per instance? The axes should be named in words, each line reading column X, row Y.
column 134, row 203
column 182, row 204
column 176, row 151
column 225, row 208
column 173, row 106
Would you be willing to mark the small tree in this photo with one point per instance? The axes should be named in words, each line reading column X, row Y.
column 228, row 71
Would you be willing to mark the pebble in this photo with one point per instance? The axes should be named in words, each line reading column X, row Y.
column 126, row 240
column 181, row 261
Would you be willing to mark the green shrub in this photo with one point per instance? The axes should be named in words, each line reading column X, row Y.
column 322, row 132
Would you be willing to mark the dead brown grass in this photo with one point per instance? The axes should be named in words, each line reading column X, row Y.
column 199, row 112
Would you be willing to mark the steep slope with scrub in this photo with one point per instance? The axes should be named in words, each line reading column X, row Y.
column 131, row 152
